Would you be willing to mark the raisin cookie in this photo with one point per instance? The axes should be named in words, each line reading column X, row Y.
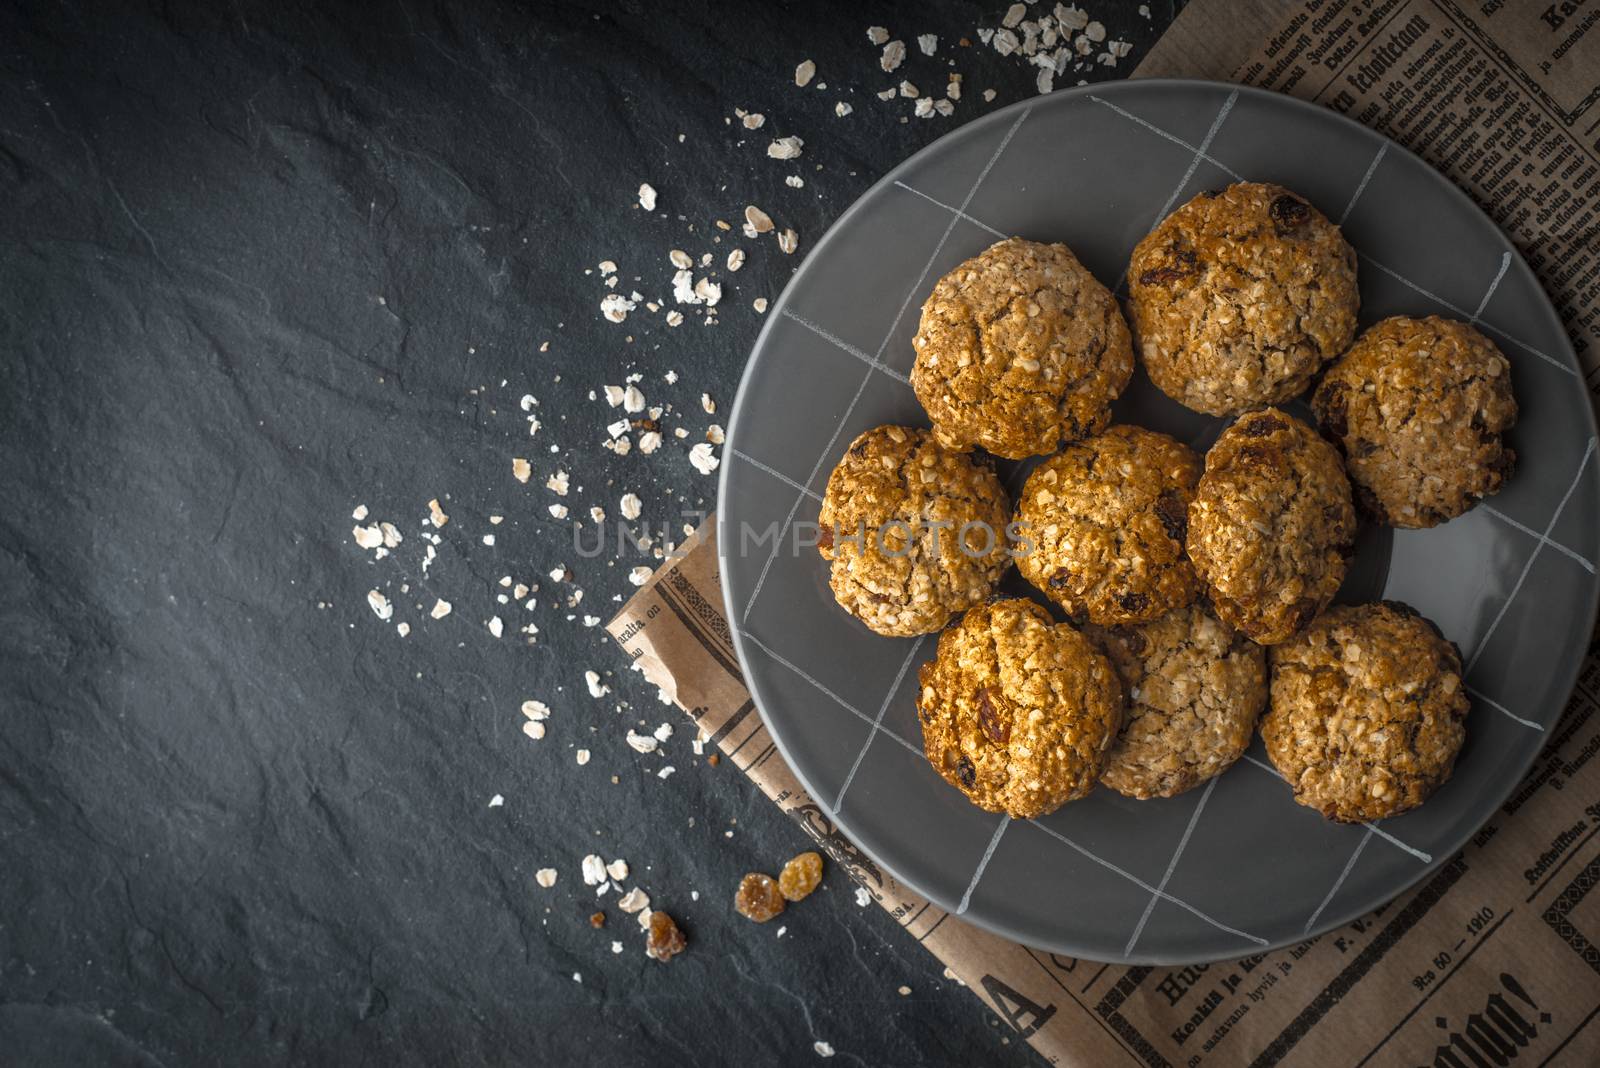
column 1418, row 406
column 1195, row 688
column 1105, row 518
column 1019, row 349
column 1368, row 711
column 914, row 533
column 1272, row 526
column 1018, row 711
column 1240, row 296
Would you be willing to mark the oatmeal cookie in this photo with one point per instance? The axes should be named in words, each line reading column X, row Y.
column 1019, row 349
column 1272, row 525
column 914, row 533
column 1368, row 711
column 1418, row 406
column 1239, row 296
column 1017, row 711
column 1106, row 517
column 1195, row 687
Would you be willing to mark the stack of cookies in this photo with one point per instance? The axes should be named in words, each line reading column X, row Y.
column 1196, row 590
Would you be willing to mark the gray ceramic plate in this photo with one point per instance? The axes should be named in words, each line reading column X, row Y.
column 1236, row 866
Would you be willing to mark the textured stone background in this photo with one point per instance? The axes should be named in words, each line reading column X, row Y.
column 261, row 263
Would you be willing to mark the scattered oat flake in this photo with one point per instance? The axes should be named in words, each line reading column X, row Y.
column 804, row 73
column 496, row 627
column 380, row 605
column 597, row 689
column 639, row 575
column 863, row 899
column 664, row 772
column 1095, row 31
column 708, row 405
column 759, row 304
column 441, row 608
column 754, row 121
column 616, row 947
column 674, row 318
column 557, row 483
column 632, row 400
column 488, row 539
column 908, row 90
column 905, row 991
column 367, row 537
column 360, row 513
column 893, row 54
column 649, row 441
column 630, row 506
column 533, row 729
column 785, row 148
column 735, row 259
column 988, row 95
column 1014, row 14
column 582, row 757
column 842, row 109
column 521, row 470
column 794, row 181
column 822, row 1048
column 402, row 628
column 545, row 877
column 758, row 220
column 789, row 241
column 877, row 34
column 924, row 108
column 618, row 870
column 615, row 306
column 536, row 710
column 647, row 197
column 703, row 458
column 642, row 743
column 594, row 870
column 496, row 801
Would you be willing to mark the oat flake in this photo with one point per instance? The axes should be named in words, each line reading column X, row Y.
column 380, row 605
column 804, row 73
column 631, row 506
column 647, row 197
column 545, row 877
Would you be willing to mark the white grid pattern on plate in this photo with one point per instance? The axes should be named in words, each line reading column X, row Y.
column 1172, row 866
column 875, row 364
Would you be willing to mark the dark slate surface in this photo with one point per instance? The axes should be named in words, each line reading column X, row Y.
column 241, row 818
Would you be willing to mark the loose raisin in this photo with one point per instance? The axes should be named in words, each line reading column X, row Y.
column 1059, row 580
column 1362, row 447
column 825, row 538
column 859, row 449
column 1132, row 602
column 1305, row 611
column 713, row 759
column 664, row 940
column 1289, row 213
column 759, row 898
column 1182, row 265
column 800, row 876
column 597, row 920
column 1174, row 514
column 994, row 722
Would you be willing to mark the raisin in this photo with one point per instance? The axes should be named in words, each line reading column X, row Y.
column 1362, row 447
column 1133, row 639
column 1331, row 512
column 1305, row 610
column 1335, row 413
column 1212, row 194
column 825, row 538
column 597, row 920
column 1256, row 454
column 965, row 772
column 1503, row 464
column 859, row 449
column 1132, row 603
column 713, row 760
column 1288, row 213
column 645, row 424
column 1174, row 514
column 1183, row 265
column 800, row 876
column 665, row 940
column 1059, row 580
column 758, row 897
column 994, row 722
column 1259, row 427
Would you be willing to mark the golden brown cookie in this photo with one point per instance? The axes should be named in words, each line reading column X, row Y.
column 1368, row 711
column 1019, row 349
column 894, row 517
column 1106, row 520
column 1238, row 297
column 1017, row 711
column 1418, row 407
column 1272, row 525
column 1195, row 688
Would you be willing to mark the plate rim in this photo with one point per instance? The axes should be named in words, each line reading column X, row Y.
column 1567, row 677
